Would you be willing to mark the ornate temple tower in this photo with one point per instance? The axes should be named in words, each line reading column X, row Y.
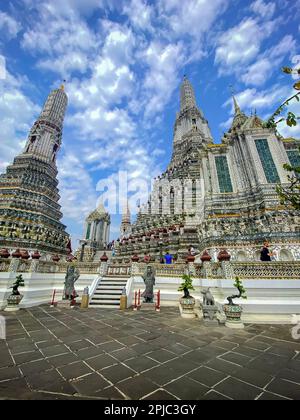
column 125, row 229
column 219, row 195
column 30, row 214
column 191, row 128
column 96, row 234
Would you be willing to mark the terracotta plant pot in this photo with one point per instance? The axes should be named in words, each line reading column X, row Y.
column 187, row 305
column 233, row 316
column 13, row 303
column 135, row 258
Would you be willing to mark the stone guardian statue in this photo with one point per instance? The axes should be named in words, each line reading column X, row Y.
column 72, row 276
column 149, row 280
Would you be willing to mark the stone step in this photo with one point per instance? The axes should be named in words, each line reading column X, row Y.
column 106, row 296
column 104, row 306
column 112, row 301
column 119, row 285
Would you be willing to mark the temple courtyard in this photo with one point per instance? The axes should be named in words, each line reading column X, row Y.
column 53, row 353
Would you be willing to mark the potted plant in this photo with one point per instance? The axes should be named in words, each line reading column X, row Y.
column 232, row 310
column 15, row 298
column 187, row 302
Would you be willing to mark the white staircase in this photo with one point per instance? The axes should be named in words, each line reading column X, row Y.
column 108, row 292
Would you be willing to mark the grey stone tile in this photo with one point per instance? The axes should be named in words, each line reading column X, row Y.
column 290, row 375
column 137, row 387
column 267, row 396
column 206, row 376
column 236, row 358
column 15, row 389
column 111, row 346
column 32, row 368
column 102, row 361
column 42, row 380
column 28, row 357
column 54, row 350
column 124, row 354
column 237, row 390
column 253, row 377
column 11, row 372
column 246, row 351
column 88, row 353
column 161, row 375
column 269, row 363
column 284, row 388
column 111, row 393
column 215, row 396
column 187, row 389
column 162, row 355
column 90, row 385
column 141, row 363
column 62, row 360
column 160, row 395
column 257, row 345
column 144, row 348
column 74, row 370
column 226, row 345
column 222, row 366
column 117, row 373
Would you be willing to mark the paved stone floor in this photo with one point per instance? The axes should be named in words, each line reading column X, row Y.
column 107, row 354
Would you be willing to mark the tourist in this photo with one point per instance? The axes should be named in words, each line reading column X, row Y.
column 168, row 258
column 147, row 258
column 265, row 254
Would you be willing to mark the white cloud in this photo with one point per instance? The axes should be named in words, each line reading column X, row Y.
column 140, row 14
column 66, row 64
column 76, row 187
column 241, row 44
column 162, row 76
column 17, row 114
column 2, row 68
column 190, row 17
column 265, row 10
column 265, row 100
column 9, row 26
column 268, row 62
column 283, row 128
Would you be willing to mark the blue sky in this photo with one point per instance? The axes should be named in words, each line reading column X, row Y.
column 123, row 61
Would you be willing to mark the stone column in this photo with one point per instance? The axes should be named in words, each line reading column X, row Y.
column 103, row 268
column 207, row 272
column 227, row 269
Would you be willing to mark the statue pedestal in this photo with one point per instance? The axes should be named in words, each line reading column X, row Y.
column 210, row 314
column 64, row 304
column 85, row 302
column 148, row 307
column 123, row 302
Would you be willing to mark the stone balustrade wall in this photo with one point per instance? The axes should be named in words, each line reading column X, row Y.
column 213, row 270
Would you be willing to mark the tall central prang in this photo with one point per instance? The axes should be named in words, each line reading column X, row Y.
column 218, row 195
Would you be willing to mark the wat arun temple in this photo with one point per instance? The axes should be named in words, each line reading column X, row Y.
column 239, row 207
